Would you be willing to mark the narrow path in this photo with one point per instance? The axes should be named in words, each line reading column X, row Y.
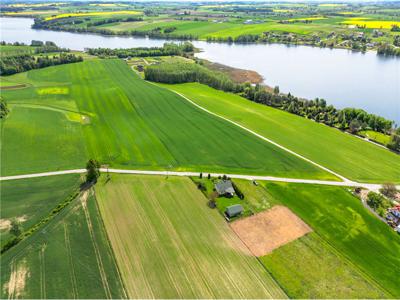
column 370, row 186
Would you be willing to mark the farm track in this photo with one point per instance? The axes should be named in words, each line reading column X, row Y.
column 84, row 199
column 348, row 183
column 71, row 262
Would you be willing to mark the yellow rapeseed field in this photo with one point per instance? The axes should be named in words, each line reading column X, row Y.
column 371, row 23
column 94, row 13
column 308, row 19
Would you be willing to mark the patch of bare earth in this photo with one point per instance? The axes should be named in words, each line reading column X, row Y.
column 271, row 229
column 5, row 224
column 16, row 284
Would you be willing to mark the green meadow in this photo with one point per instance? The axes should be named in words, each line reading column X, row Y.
column 345, row 154
column 69, row 257
column 350, row 232
column 310, row 268
column 101, row 109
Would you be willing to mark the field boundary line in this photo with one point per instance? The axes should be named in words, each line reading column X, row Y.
column 263, row 137
column 42, row 272
column 110, row 250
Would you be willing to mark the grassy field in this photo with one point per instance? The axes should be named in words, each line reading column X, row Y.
column 9, row 50
column 349, row 228
column 128, row 123
column 310, row 268
column 342, row 153
column 379, row 137
column 68, row 258
column 169, row 244
column 204, row 29
column 32, row 199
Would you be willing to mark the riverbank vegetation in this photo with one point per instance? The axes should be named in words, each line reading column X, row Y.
column 168, row 49
column 351, row 26
column 318, row 110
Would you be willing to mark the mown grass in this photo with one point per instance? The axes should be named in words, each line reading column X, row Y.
column 128, row 123
column 342, row 153
column 169, row 244
column 65, row 259
column 310, row 268
column 32, row 199
column 379, row 137
column 350, row 229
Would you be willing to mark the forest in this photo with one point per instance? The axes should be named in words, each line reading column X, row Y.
column 167, row 50
column 22, row 63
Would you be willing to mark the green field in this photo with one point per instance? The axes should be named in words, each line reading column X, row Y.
column 31, row 200
column 379, row 137
column 10, row 50
column 204, row 29
column 342, row 222
column 101, row 109
column 310, row 268
column 67, row 258
column 169, row 244
column 347, row 155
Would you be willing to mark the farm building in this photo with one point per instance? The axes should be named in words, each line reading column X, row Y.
column 233, row 210
column 225, row 188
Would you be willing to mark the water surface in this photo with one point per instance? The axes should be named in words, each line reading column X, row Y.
column 342, row 77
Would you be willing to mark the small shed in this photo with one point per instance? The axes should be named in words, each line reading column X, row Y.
column 234, row 210
column 225, row 188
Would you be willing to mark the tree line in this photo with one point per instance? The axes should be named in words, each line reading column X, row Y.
column 68, row 25
column 350, row 119
column 166, row 50
column 15, row 64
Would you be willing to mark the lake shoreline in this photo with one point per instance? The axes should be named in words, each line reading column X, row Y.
column 305, row 71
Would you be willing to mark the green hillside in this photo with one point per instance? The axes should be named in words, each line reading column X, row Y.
column 101, row 109
column 345, row 154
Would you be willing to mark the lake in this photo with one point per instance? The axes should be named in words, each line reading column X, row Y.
column 344, row 78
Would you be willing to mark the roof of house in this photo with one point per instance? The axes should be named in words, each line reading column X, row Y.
column 234, row 210
column 224, row 186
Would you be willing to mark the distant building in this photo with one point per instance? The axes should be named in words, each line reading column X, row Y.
column 225, row 188
column 233, row 211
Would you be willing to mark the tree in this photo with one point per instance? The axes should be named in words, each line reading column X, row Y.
column 276, row 90
column 3, row 108
column 354, row 126
column 93, row 171
column 394, row 143
column 16, row 228
column 201, row 175
column 209, row 176
column 389, row 190
column 378, row 203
